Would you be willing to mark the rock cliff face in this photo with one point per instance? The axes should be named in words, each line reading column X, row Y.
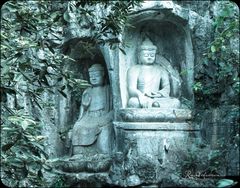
column 183, row 30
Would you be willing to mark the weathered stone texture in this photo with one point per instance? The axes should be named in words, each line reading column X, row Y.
column 221, row 130
column 154, row 146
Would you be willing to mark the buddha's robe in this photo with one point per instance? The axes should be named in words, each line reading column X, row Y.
column 95, row 115
column 147, row 79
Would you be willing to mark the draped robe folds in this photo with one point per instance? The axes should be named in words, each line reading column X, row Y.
column 148, row 79
column 96, row 115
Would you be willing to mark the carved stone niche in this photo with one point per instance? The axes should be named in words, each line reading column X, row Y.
column 159, row 132
column 174, row 53
column 82, row 162
column 171, row 34
column 84, row 53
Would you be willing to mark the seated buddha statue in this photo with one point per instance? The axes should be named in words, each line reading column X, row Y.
column 148, row 83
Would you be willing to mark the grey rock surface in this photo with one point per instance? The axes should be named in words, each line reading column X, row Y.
column 149, row 143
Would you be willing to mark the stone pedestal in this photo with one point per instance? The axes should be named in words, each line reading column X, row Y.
column 153, row 115
column 158, row 139
column 153, row 141
column 155, row 138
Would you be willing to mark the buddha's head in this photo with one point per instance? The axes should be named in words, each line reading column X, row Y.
column 96, row 74
column 147, row 52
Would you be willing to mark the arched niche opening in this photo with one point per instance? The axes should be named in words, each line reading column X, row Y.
column 84, row 53
column 172, row 37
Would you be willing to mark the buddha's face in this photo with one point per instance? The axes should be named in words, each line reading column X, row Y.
column 147, row 57
column 96, row 78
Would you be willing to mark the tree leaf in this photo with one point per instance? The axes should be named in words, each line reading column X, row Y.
column 62, row 93
column 213, row 49
column 26, row 122
column 122, row 50
column 24, row 125
column 7, row 146
column 15, row 119
column 66, row 16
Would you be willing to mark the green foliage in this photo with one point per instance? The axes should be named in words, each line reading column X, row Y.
column 22, row 152
column 109, row 25
column 59, row 182
column 32, row 64
column 32, row 34
column 28, row 56
column 216, row 160
column 220, row 63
